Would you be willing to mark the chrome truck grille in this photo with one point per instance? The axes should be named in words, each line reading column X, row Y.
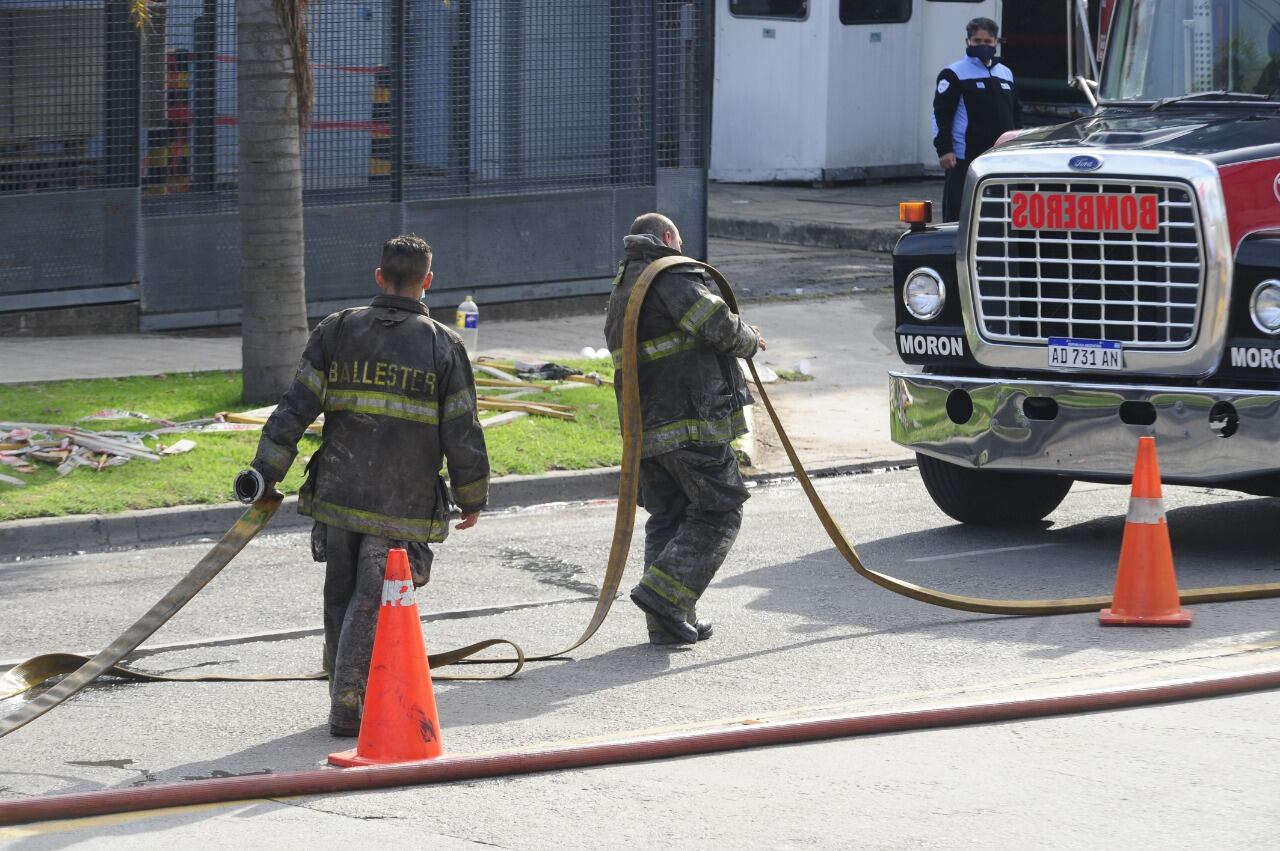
column 1125, row 264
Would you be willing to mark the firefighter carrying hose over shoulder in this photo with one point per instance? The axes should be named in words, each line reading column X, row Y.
column 692, row 395
column 399, row 399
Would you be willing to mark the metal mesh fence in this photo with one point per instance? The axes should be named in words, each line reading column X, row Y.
column 66, row 71
column 415, row 101
column 187, row 106
column 683, row 84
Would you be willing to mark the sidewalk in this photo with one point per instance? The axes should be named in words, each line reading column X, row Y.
column 862, row 217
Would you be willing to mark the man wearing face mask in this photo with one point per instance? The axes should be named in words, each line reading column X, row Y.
column 975, row 100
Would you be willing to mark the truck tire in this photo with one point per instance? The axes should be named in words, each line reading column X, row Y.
column 991, row 497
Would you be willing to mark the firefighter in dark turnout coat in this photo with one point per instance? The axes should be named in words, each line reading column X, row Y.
column 692, row 395
column 398, row 398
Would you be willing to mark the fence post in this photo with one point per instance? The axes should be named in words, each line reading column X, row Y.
column 655, row 89
column 458, row 138
column 398, row 58
column 203, row 97
column 123, row 88
column 707, row 43
column 121, row 233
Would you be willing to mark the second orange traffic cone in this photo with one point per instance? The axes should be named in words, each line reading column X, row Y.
column 1146, row 589
column 399, row 723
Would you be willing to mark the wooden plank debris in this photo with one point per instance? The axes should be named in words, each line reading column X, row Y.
column 103, row 444
column 560, row 412
column 494, row 372
column 503, row 419
column 522, row 385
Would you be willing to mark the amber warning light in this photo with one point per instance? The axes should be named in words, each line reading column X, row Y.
column 916, row 213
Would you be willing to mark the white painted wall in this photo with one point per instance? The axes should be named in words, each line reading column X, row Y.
column 874, row 86
column 942, row 42
column 816, row 99
column 769, row 111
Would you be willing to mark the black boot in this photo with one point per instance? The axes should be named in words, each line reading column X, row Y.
column 680, row 631
column 344, row 714
column 658, row 635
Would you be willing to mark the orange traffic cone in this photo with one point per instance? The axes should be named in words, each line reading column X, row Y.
column 399, row 723
column 1146, row 590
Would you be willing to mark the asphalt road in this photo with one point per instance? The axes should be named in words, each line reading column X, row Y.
column 798, row 635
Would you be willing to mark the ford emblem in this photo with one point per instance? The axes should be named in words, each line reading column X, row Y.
column 1084, row 162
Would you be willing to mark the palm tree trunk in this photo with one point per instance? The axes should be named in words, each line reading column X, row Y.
column 274, row 317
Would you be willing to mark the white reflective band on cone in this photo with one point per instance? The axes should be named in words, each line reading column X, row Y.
column 1145, row 510
column 398, row 592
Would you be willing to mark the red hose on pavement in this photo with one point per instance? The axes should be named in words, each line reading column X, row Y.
column 454, row 768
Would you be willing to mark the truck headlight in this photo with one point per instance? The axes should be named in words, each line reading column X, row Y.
column 924, row 294
column 1264, row 306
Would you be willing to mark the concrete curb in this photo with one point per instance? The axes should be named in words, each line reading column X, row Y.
column 45, row 536
column 815, row 234
column 60, row 535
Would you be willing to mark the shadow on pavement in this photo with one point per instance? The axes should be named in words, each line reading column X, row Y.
column 1213, row 545
column 560, row 683
column 296, row 749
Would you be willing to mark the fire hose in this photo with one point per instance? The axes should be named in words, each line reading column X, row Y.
column 80, row 671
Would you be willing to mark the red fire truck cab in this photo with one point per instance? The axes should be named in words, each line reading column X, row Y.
column 1115, row 276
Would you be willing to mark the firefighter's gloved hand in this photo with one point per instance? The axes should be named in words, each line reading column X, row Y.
column 250, row 486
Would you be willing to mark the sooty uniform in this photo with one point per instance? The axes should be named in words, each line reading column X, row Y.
column 692, row 396
column 399, row 401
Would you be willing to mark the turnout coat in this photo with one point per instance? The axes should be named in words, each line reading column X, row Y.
column 399, row 400
column 691, row 389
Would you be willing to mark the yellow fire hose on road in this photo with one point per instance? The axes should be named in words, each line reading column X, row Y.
column 79, row 671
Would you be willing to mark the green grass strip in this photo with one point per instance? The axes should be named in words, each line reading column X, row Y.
column 528, row 446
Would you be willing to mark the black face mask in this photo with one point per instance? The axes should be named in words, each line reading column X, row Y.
column 985, row 53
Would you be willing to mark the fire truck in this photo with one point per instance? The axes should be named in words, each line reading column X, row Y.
column 1111, row 277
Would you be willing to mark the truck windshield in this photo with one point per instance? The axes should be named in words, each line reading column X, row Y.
column 1171, row 48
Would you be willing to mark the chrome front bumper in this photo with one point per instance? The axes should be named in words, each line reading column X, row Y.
column 1086, row 437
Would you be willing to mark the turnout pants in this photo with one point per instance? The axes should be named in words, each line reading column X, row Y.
column 355, row 565
column 694, row 498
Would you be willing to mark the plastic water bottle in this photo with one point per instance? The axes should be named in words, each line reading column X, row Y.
column 467, row 324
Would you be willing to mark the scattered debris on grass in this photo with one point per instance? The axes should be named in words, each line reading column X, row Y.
column 502, row 419
column 115, row 414
column 508, row 381
column 181, row 447
column 516, row 385
column 254, row 419
column 538, row 371
column 68, row 447
column 542, row 409
column 501, row 374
